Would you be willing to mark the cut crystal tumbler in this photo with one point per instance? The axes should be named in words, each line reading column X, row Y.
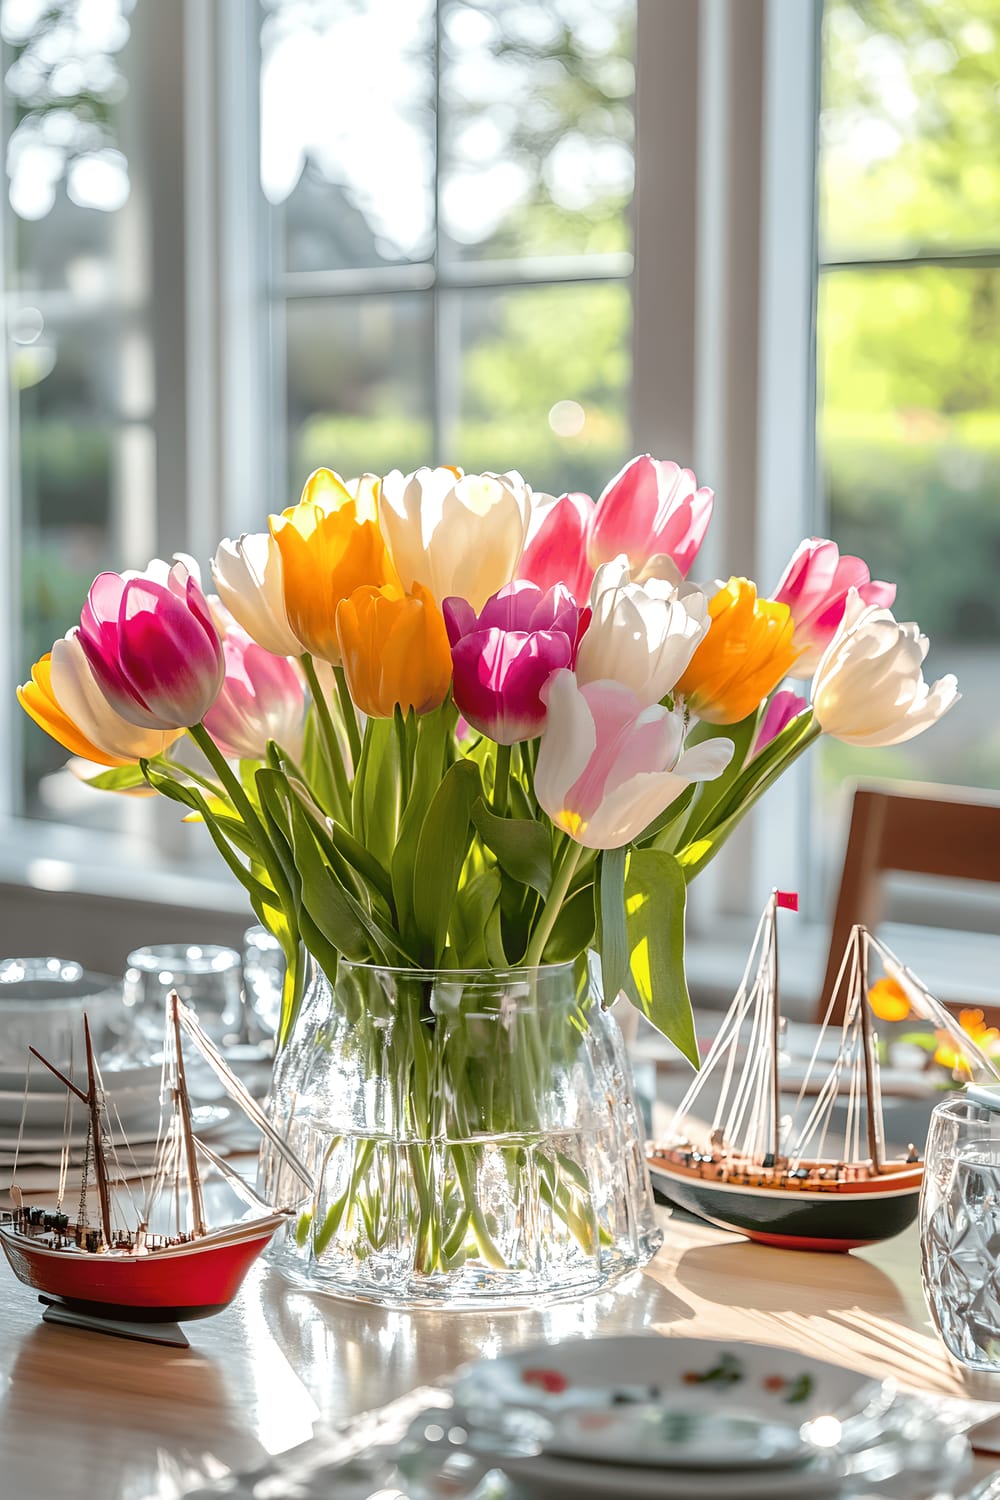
column 960, row 1230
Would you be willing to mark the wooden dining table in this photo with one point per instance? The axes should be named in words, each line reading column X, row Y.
column 84, row 1414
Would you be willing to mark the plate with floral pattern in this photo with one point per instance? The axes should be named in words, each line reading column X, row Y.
column 694, row 1404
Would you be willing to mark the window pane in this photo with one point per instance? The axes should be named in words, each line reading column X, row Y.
column 537, row 126
column 347, row 130
column 910, row 444
column 359, row 393
column 78, row 342
column 531, row 399
column 909, row 157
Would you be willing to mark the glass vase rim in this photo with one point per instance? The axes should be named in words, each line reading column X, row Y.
column 507, row 972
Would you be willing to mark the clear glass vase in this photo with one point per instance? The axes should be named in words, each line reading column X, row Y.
column 960, row 1229
column 473, row 1136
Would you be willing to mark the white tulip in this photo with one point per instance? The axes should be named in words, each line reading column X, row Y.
column 869, row 687
column 76, row 691
column 641, row 634
column 247, row 574
column 458, row 535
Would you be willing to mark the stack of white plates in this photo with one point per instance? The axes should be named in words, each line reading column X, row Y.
column 134, row 1093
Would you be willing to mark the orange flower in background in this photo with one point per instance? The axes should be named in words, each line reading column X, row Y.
column 395, row 650
column 748, row 650
column 888, row 1000
column 950, row 1055
column 329, row 546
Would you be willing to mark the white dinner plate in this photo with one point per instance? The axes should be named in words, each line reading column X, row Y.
column 698, row 1376
column 134, row 1075
column 49, row 1110
column 548, row 1474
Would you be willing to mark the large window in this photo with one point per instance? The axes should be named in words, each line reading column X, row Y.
column 909, row 349
column 451, row 186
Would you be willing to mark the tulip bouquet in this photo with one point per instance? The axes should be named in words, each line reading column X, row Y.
column 449, row 724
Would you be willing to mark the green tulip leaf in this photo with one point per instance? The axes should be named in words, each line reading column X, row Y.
column 376, row 802
column 428, row 769
column 474, row 906
column 655, row 895
column 573, row 930
column 613, row 937
column 325, row 904
column 710, row 794
column 119, row 779
column 441, row 850
column 523, row 848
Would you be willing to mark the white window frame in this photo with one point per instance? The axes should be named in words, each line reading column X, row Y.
column 723, row 365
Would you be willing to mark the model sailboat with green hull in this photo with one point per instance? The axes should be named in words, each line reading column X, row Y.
column 810, row 1171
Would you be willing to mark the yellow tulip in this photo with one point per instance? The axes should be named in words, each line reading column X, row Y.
column 748, row 650
column 40, row 703
column 329, row 547
column 395, row 649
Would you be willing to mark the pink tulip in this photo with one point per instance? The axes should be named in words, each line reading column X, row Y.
column 262, row 698
column 814, row 586
column 152, row 647
column 653, row 506
column 608, row 764
column 782, row 709
column 504, row 656
column 556, row 550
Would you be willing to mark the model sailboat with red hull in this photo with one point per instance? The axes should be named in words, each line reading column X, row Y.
column 117, row 1270
column 797, row 1177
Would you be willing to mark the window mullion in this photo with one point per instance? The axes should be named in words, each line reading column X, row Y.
column 10, row 528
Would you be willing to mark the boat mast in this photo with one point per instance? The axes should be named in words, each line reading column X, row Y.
column 873, row 1094
column 184, row 1116
column 775, row 1026
column 100, row 1165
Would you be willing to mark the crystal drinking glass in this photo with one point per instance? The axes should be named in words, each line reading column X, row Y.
column 960, row 1230
column 207, row 978
column 263, row 976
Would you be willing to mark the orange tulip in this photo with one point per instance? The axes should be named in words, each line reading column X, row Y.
column 395, row 650
column 40, row 703
column 748, row 650
column 329, row 547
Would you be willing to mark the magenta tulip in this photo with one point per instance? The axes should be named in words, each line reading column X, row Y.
column 504, row 656
column 653, row 506
column 556, row 550
column 263, row 698
column 815, row 586
column 153, row 647
column 782, row 709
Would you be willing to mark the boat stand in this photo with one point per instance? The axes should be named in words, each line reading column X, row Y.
column 57, row 1311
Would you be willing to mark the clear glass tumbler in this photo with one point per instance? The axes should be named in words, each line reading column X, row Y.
column 207, row 978
column 263, row 977
column 960, row 1230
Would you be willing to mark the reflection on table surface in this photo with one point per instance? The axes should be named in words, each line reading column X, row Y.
column 83, row 1414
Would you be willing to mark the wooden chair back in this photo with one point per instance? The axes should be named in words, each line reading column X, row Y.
column 949, row 832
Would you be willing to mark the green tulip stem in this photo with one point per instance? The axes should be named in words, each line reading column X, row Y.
column 350, row 716
column 501, row 783
column 327, row 731
column 553, row 903
column 254, row 826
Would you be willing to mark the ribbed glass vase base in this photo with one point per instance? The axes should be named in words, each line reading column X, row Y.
column 474, row 1141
